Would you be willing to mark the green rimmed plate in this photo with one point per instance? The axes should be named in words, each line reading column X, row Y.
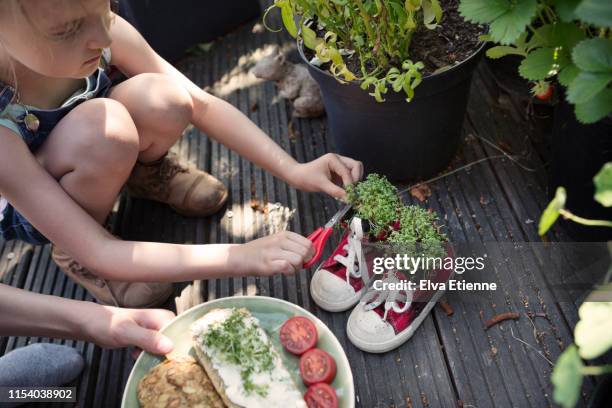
column 272, row 313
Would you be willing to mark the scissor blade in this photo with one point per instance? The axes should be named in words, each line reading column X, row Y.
column 338, row 216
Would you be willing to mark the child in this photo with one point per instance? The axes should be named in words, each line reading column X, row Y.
column 69, row 141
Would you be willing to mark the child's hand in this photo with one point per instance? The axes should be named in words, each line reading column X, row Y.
column 284, row 253
column 326, row 174
column 114, row 327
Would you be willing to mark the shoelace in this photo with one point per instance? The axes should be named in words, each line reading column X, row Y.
column 354, row 261
column 166, row 168
column 374, row 298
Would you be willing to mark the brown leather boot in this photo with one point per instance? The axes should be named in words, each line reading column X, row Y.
column 113, row 293
column 189, row 191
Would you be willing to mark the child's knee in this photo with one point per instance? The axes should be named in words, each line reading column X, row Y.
column 109, row 135
column 171, row 109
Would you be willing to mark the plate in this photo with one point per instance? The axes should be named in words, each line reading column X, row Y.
column 272, row 313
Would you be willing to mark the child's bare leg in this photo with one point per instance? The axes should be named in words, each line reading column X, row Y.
column 91, row 153
column 160, row 108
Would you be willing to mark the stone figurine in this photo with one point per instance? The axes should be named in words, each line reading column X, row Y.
column 293, row 81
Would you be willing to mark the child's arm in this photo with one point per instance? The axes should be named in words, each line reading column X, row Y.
column 219, row 119
column 37, row 196
column 31, row 314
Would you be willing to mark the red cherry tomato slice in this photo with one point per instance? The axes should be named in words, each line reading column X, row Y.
column 321, row 395
column 317, row 366
column 298, row 335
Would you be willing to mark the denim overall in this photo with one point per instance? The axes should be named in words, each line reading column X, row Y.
column 13, row 225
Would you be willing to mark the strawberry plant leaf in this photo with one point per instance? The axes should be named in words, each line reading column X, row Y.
column 593, row 55
column 596, row 12
column 595, row 108
column 508, row 27
column 551, row 213
column 539, row 64
column 483, row 11
column 586, row 85
column 567, row 377
column 593, row 333
column 563, row 36
column 503, row 50
column 565, row 9
column 566, row 36
column 603, row 186
column 568, row 74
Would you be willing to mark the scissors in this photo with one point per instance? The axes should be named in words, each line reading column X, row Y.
column 320, row 235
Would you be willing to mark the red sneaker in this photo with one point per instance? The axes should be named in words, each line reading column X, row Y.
column 386, row 319
column 339, row 282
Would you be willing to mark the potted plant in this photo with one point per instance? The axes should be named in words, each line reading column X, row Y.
column 395, row 77
column 565, row 45
column 593, row 333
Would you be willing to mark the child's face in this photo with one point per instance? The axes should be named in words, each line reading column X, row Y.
column 56, row 38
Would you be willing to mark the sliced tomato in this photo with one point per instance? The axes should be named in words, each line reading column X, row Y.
column 317, row 366
column 298, row 335
column 321, row 395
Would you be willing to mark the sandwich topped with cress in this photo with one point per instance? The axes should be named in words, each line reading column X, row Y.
column 241, row 361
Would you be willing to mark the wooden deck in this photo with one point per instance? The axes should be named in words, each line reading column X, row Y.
column 451, row 361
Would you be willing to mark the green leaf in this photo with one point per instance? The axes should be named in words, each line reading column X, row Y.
column 551, row 213
column 568, row 74
column 509, row 26
column 593, row 333
column 565, row 9
column 542, row 37
column 596, row 12
column 567, row 35
column 432, row 13
column 309, row 37
column 567, row 378
column 503, row 50
column 483, row 11
column 288, row 21
column 437, row 9
column 595, row 108
column 539, row 64
column 399, row 11
column 593, row 55
column 586, row 85
column 603, row 185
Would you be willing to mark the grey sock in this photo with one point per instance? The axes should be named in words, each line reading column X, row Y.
column 39, row 364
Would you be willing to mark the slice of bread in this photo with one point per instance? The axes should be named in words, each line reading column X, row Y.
column 282, row 391
column 214, row 377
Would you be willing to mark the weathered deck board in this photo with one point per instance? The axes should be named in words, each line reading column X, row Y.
column 451, row 360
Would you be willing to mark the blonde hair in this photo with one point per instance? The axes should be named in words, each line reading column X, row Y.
column 8, row 73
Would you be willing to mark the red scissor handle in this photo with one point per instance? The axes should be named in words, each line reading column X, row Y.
column 319, row 238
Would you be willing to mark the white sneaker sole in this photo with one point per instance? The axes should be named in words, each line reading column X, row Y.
column 404, row 336
column 330, row 306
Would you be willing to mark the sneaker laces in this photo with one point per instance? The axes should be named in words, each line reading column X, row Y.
column 391, row 298
column 354, row 261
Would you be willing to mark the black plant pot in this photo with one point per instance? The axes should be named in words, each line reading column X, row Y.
column 578, row 153
column 173, row 26
column 404, row 141
column 602, row 396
